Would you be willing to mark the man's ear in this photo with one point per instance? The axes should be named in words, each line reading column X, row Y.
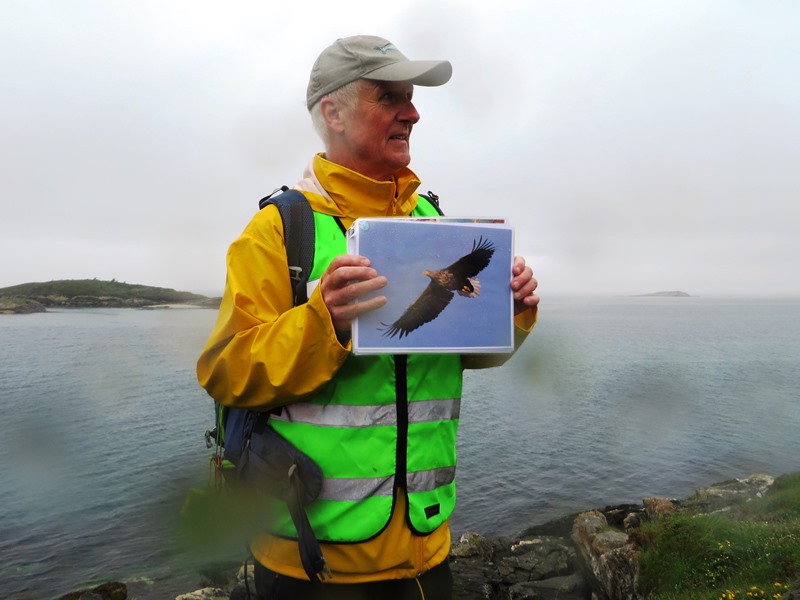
column 332, row 115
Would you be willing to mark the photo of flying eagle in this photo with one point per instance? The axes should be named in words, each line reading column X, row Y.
column 458, row 277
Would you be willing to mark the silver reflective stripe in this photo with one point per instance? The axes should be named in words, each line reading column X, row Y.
column 337, row 415
column 368, row 415
column 426, row 481
column 356, row 489
column 434, row 410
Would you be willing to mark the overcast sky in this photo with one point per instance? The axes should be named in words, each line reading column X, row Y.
column 633, row 146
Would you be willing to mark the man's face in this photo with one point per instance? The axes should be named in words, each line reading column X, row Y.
column 377, row 130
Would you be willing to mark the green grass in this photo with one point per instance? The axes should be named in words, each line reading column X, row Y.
column 751, row 551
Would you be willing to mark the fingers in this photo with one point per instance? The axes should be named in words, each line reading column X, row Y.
column 524, row 285
column 347, row 279
column 343, row 315
column 518, row 266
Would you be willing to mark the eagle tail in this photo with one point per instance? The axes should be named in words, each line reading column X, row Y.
column 472, row 289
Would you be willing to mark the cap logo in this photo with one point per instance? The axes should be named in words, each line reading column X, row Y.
column 386, row 48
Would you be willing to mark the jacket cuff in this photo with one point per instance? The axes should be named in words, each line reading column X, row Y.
column 526, row 319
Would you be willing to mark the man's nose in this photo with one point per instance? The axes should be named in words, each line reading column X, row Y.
column 408, row 113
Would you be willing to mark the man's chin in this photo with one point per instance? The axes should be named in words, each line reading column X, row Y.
column 401, row 160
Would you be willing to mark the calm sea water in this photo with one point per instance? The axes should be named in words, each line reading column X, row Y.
column 609, row 401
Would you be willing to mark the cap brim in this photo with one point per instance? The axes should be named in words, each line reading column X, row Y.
column 419, row 72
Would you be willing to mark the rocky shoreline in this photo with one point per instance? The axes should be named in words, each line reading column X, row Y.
column 591, row 555
column 40, row 304
column 20, row 306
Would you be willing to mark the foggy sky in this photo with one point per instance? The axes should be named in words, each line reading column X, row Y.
column 634, row 147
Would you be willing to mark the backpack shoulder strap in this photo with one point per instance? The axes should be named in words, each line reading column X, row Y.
column 433, row 199
column 298, row 231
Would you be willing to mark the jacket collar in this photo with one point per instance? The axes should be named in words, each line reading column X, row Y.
column 346, row 194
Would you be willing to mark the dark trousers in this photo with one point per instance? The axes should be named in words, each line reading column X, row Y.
column 436, row 584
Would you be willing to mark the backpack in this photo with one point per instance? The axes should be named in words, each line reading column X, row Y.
column 249, row 452
column 234, row 426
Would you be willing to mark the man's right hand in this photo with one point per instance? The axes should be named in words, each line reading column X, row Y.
column 347, row 279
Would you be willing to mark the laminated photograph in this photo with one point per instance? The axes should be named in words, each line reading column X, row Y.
column 448, row 285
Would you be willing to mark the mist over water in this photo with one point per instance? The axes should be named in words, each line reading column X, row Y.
column 608, row 401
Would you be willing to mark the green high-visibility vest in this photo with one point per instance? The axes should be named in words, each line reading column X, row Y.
column 383, row 422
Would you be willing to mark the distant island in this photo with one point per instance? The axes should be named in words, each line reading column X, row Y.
column 93, row 293
column 674, row 294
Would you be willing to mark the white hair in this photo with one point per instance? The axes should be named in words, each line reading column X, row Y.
column 345, row 97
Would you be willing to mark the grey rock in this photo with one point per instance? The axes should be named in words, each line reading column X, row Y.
column 537, row 558
column 611, row 561
column 113, row 590
column 209, row 593
column 523, row 591
column 724, row 494
column 473, row 545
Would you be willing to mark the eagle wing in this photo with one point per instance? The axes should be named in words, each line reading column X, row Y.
column 436, row 296
column 473, row 263
column 426, row 308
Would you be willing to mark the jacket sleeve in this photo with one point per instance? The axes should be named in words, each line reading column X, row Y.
column 523, row 325
column 264, row 352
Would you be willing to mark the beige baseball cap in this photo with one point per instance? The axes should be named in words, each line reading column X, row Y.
column 369, row 57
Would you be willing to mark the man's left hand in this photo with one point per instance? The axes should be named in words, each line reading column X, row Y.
column 524, row 285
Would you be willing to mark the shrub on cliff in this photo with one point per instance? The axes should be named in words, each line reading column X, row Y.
column 749, row 551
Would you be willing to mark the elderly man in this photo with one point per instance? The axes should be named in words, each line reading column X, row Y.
column 389, row 489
